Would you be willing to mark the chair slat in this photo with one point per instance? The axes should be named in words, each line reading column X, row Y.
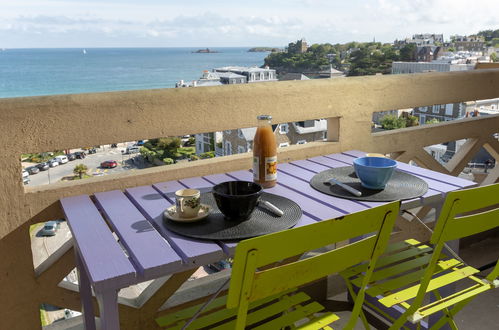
column 308, row 270
column 454, row 299
column 389, row 259
column 299, row 313
column 320, row 321
column 470, row 225
column 435, row 283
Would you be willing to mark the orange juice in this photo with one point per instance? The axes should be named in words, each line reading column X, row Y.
column 264, row 153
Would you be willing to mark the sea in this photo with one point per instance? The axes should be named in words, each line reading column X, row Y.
column 31, row 72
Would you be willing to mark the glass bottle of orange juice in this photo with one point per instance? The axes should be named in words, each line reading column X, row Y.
column 264, row 153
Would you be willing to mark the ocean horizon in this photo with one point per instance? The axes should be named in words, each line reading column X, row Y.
column 52, row 71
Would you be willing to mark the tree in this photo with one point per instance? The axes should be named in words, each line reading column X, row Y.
column 494, row 57
column 208, row 154
column 432, row 121
column 80, row 170
column 408, row 53
column 168, row 161
column 392, row 122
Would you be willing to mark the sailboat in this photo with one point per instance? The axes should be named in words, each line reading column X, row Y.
column 84, row 51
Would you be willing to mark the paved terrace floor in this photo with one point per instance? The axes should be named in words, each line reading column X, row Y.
column 482, row 313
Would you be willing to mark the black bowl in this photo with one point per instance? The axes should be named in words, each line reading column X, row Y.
column 237, row 199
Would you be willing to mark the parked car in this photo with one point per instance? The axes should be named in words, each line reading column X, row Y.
column 140, row 143
column 109, row 164
column 92, row 151
column 26, row 178
column 71, row 156
column 114, row 145
column 43, row 166
column 62, row 159
column 50, row 228
column 32, row 169
column 132, row 150
column 53, row 163
column 80, row 154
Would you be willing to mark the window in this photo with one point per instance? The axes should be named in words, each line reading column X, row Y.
column 422, row 119
column 449, row 109
column 241, row 149
column 240, row 133
column 262, row 77
column 284, row 144
column 228, row 148
column 283, row 128
column 301, row 142
column 423, row 109
column 436, row 109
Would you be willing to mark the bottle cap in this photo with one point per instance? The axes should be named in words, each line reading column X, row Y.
column 264, row 117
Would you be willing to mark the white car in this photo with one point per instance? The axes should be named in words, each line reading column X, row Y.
column 61, row 159
column 53, row 163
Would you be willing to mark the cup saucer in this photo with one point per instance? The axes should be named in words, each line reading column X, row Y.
column 204, row 211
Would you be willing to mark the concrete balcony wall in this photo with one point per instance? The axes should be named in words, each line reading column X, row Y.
column 37, row 124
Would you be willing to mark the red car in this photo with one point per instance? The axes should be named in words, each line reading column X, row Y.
column 109, row 164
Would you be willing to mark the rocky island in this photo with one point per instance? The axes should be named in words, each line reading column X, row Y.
column 205, row 50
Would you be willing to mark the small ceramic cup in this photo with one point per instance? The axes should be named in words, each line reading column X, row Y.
column 187, row 202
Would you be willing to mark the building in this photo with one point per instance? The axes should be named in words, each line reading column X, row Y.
column 428, row 53
column 298, row 47
column 420, row 67
column 421, row 40
column 225, row 76
column 293, row 76
column 482, row 107
column 471, row 43
column 241, row 140
column 252, row 74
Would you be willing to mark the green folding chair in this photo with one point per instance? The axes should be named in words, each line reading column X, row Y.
column 264, row 292
column 409, row 271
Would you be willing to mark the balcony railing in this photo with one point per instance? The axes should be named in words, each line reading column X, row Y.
column 37, row 124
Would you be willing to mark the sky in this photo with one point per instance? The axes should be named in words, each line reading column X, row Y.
column 233, row 23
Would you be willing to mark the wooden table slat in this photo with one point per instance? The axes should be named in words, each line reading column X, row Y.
column 150, row 252
column 152, row 204
column 103, row 257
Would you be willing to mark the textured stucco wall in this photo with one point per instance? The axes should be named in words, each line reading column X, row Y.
column 33, row 124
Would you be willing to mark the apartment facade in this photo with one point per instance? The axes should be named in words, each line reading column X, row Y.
column 241, row 140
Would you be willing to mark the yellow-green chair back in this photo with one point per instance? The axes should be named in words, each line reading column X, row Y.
column 252, row 281
column 404, row 277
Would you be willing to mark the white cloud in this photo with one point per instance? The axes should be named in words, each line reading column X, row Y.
column 225, row 22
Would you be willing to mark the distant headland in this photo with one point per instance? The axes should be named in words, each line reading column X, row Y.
column 205, row 50
column 264, row 49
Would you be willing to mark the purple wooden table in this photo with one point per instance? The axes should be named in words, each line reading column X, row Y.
column 146, row 250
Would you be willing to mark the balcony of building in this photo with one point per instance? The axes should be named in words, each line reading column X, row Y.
column 39, row 124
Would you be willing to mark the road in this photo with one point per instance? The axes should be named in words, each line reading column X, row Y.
column 92, row 161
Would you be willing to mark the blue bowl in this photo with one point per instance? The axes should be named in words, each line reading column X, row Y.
column 374, row 172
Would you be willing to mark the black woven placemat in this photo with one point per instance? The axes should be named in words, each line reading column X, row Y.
column 261, row 222
column 401, row 185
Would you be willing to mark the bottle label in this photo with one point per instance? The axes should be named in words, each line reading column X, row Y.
column 256, row 168
column 270, row 168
